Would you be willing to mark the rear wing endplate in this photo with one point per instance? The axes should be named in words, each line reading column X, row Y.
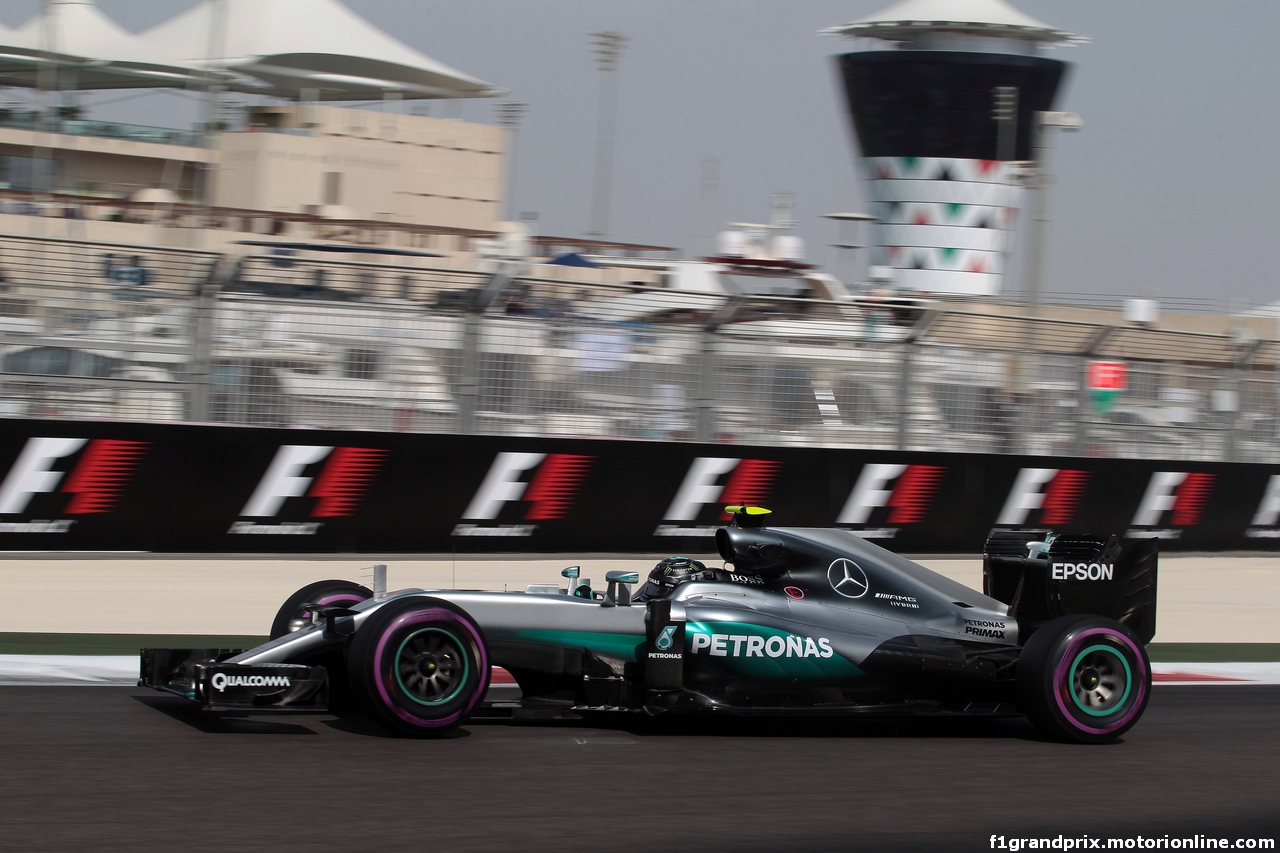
column 1042, row 576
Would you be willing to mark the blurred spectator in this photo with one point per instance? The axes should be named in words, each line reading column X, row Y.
column 1004, row 421
column 130, row 278
column 517, row 306
column 316, row 289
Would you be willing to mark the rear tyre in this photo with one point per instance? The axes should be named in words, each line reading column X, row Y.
column 419, row 666
column 1085, row 679
column 295, row 613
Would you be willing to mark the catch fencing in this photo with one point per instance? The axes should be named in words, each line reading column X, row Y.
column 392, row 343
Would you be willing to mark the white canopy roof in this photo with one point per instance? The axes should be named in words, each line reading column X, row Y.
column 85, row 49
column 291, row 45
column 272, row 47
column 909, row 18
column 79, row 28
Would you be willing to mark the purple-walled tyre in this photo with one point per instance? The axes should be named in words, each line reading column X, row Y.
column 419, row 666
column 1084, row 678
column 295, row 613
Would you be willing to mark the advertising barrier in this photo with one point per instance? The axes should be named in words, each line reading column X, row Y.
column 84, row 486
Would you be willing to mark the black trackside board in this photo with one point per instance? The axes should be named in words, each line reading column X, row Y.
column 182, row 488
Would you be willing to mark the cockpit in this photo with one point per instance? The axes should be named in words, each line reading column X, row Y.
column 669, row 574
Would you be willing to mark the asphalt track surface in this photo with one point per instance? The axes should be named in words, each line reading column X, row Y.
column 104, row 768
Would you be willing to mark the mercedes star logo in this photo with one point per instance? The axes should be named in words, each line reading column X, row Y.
column 847, row 578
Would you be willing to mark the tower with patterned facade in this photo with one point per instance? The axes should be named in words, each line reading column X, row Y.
column 943, row 183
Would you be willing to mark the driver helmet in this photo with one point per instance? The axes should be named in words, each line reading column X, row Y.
column 670, row 573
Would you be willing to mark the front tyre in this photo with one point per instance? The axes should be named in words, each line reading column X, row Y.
column 419, row 666
column 296, row 613
column 1084, row 678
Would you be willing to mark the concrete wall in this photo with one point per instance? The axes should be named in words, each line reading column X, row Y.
column 1204, row 599
column 427, row 171
column 391, row 167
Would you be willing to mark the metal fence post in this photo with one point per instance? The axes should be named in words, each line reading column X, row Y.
column 904, row 391
column 1230, row 447
column 203, row 310
column 472, row 325
column 469, row 373
column 1236, row 384
column 906, row 373
column 705, row 428
column 1080, row 427
column 705, row 405
column 1082, row 389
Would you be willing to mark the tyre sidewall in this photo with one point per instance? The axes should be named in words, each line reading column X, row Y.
column 326, row 593
column 1046, row 676
column 372, row 665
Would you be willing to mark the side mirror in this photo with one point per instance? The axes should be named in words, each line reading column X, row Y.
column 572, row 574
column 618, row 593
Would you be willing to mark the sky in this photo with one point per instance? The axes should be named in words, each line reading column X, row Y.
column 1172, row 188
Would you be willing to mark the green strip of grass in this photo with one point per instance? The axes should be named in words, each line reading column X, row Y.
column 1214, row 652
column 129, row 644
column 116, row 644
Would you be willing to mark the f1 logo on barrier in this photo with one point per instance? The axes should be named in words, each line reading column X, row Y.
column 907, row 490
column 95, row 481
column 337, row 488
column 549, row 491
column 716, row 481
column 1054, row 493
column 1179, row 495
column 1263, row 525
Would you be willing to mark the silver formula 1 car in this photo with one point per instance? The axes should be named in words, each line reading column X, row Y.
column 799, row 621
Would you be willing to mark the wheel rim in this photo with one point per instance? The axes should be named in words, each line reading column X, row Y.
column 1099, row 680
column 431, row 666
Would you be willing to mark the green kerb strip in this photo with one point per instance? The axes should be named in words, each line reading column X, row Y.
column 1214, row 652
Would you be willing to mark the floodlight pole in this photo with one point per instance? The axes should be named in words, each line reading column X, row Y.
column 509, row 115
column 215, row 48
column 608, row 49
column 42, row 159
column 1038, row 183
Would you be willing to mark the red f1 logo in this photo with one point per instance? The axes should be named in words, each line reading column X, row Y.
column 97, row 480
column 339, row 486
column 1054, row 492
column 909, row 498
column 1181, row 492
column 550, row 491
column 749, row 482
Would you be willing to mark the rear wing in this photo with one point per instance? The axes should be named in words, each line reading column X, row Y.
column 1042, row 576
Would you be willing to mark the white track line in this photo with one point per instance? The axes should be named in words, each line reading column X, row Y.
column 46, row 670
column 52, row 670
column 1216, row 673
